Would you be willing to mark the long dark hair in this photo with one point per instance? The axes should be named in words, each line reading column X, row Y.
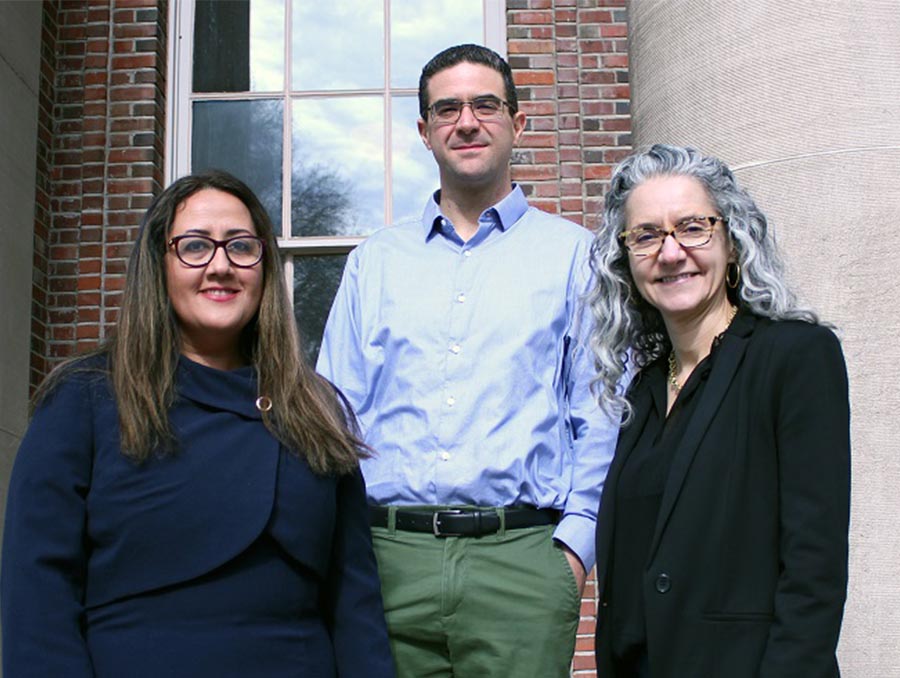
column 142, row 355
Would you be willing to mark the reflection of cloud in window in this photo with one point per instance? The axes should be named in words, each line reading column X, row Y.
column 337, row 44
column 346, row 136
column 419, row 30
column 266, row 45
column 415, row 173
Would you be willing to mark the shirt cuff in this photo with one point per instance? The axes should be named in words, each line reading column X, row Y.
column 579, row 534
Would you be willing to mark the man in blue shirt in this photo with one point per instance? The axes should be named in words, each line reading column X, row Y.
column 460, row 341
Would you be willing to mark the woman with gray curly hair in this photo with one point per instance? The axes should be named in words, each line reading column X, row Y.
column 722, row 532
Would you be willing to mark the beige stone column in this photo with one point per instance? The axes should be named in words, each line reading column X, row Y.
column 802, row 99
column 20, row 35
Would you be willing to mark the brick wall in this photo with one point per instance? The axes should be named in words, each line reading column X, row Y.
column 570, row 63
column 105, row 71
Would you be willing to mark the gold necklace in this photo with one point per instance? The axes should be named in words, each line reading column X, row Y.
column 673, row 364
column 673, row 370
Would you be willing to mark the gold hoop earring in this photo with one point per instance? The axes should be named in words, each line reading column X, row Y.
column 733, row 283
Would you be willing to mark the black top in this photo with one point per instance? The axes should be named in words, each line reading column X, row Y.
column 639, row 493
column 746, row 572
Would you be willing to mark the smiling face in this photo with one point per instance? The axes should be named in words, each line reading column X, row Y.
column 682, row 284
column 471, row 154
column 215, row 302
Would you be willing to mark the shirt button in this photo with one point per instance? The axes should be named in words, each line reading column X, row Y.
column 445, row 455
column 461, row 298
column 455, row 348
column 451, row 401
column 663, row 583
column 467, row 253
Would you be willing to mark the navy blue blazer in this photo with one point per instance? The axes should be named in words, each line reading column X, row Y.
column 747, row 571
column 86, row 526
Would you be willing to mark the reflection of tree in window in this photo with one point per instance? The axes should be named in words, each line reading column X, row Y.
column 316, row 280
column 321, row 201
column 244, row 138
column 262, row 149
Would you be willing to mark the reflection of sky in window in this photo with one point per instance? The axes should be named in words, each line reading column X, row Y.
column 344, row 139
column 419, row 30
column 415, row 174
column 266, row 45
column 337, row 44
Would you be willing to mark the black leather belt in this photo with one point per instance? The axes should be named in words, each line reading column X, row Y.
column 462, row 522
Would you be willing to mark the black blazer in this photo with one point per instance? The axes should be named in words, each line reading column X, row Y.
column 747, row 571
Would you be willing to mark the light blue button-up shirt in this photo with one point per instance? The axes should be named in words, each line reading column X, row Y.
column 467, row 365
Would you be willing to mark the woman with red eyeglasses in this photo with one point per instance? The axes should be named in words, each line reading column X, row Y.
column 187, row 500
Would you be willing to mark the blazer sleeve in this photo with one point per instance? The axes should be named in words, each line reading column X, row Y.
column 813, row 448
column 44, row 554
column 353, row 606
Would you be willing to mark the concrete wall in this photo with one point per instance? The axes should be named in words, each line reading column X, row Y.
column 20, row 35
column 802, row 99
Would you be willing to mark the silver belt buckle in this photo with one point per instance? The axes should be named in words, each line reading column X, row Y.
column 436, row 523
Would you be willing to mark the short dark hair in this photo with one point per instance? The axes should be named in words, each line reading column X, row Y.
column 472, row 54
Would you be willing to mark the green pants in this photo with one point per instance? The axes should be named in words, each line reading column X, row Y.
column 498, row 606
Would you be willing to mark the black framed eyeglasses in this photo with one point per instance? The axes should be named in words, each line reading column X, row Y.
column 196, row 251
column 486, row 108
column 691, row 232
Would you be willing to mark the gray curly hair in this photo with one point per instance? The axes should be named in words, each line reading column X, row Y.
column 628, row 332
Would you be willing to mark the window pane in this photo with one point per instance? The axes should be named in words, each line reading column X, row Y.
column 238, row 46
column 338, row 44
column 244, row 138
column 337, row 172
column 316, row 280
column 415, row 174
column 419, row 30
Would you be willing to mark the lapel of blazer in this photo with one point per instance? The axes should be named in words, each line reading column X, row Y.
column 727, row 360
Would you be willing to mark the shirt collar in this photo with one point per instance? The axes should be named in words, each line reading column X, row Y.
column 504, row 215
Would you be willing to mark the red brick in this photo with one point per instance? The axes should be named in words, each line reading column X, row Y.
column 583, row 661
column 531, row 17
column 132, row 93
column 534, row 108
column 85, row 331
column 86, row 298
column 617, row 124
column 550, row 206
column 136, row 4
column 613, row 31
column 535, row 78
column 530, row 139
column 133, row 61
column 531, row 46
